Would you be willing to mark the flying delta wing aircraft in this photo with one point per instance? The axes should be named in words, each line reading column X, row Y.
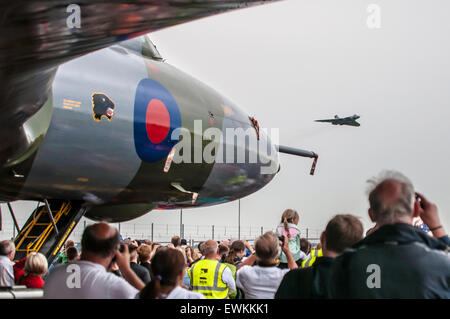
column 91, row 116
column 349, row 120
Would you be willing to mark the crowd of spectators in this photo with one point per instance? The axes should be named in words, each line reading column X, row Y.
column 395, row 259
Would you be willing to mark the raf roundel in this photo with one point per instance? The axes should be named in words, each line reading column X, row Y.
column 157, row 121
column 156, row 115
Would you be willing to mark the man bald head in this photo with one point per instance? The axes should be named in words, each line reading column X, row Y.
column 100, row 239
column 392, row 199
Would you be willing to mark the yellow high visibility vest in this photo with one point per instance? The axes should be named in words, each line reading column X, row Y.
column 317, row 253
column 206, row 278
column 308, row 262
column 233, row 272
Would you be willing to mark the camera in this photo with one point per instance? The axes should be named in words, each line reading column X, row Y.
column 121, row 248
column 281, row 238
column 420, row 201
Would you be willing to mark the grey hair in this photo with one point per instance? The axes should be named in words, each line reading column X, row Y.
column 390, row 212
column 6, row 247
column 211, row 249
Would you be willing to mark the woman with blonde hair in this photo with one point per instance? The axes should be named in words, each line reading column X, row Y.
column 35, row 267
column 289, row 227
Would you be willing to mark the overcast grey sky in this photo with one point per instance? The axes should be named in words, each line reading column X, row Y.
column 295, row 61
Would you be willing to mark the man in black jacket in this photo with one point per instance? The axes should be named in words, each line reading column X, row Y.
column 396, row 260
column 342, row 231
column 139, row 270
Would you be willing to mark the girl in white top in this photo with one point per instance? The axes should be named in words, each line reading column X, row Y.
column 167, row 272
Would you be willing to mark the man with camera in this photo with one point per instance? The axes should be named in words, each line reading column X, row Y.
column 89, row 276
column 397, row 260
column 258, row 277
column 142, row 272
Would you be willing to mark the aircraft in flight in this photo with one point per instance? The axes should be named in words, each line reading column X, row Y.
column 349, row 120
column 91, row 118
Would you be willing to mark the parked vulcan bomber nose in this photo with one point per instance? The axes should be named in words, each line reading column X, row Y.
column 246, row 158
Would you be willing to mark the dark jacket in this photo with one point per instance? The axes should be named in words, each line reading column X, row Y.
column 141, row 272
column 147, row 266
column 306, row 283
column 396, row 261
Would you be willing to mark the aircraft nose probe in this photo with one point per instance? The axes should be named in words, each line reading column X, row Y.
column 299, row 152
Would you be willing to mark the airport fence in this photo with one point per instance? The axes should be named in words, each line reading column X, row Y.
column 163, row 233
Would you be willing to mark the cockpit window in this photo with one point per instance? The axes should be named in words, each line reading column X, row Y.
column 143, row 45
column 150, row 50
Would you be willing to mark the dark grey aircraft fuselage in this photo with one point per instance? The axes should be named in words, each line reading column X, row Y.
column 103, row 137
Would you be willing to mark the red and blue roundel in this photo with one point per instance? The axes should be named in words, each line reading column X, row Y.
column 156, row 115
